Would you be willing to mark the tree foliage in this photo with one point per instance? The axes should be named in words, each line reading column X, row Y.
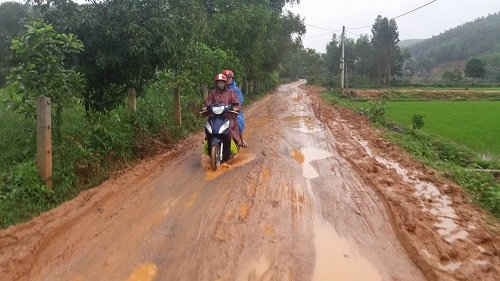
column 475, row 68
column 476, row 39
column 127, row 41
column 40, row 68
column 453, row 76
column 385, row 39
column 12, row 17
column 368, row 60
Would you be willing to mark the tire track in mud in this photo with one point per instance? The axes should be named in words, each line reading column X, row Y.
column 444, row 233
column 352, row 235
column 291, row 207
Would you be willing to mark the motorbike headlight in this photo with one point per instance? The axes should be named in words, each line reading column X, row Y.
column 208, row 127
column 224, row 127
column 218, row 110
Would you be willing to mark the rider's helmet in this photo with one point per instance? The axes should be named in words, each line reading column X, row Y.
column 220, row 77
column 229, row 73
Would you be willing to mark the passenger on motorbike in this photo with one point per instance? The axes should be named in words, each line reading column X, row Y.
column 231, row 84
column 223, row 95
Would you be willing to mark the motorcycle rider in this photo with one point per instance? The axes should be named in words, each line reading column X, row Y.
column 231, row 84
column 223, row 95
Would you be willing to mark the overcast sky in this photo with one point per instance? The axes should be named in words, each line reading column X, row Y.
column 424, row 23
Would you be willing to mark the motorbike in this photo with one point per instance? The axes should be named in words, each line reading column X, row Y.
column 219, row 144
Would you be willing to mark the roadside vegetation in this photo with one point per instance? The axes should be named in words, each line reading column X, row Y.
column 89, row 57
column 445, row 116
column 459, row 139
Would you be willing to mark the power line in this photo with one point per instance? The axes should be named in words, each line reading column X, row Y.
column 323, row 28
column 360, row 27
column 416, row 9
column 399, row 16
column 369, row 26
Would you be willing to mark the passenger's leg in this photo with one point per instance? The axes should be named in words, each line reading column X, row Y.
column 241, row 126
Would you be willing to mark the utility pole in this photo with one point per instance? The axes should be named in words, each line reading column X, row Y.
column 342, row 61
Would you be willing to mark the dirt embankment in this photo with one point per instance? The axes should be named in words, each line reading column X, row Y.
column 447, row 236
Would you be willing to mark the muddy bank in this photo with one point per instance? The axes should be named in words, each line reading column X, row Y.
column 447, row 236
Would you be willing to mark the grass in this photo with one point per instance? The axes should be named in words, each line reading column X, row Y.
column 92, row 145
column 434, row 88
column 475, row 124
column 453, row 139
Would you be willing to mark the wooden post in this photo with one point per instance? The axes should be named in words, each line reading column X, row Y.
column 132, row 99
column 246, row 87
column 44, row 139
column 178, row 113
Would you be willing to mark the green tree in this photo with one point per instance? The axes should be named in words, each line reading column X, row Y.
column 40, row 69
column 475, row 68
column 332, row 57
column 256, row 33
column 127, row 41
column 453, row 76
column 12, row 17
column 363, row 62
column 386, row 50
column 475, row 38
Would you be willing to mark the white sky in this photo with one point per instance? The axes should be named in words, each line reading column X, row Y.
column 424, row 23
column 431, row 20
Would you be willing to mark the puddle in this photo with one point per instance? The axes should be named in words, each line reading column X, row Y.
column 239, row 160
column 311, row 154
column 481, row 262
column 308, row 130
column 429, row 194
column 255, row 270
column 296, row 118
column 144, row 272
column 337, row 259
column 303, row 123
column 452, row 266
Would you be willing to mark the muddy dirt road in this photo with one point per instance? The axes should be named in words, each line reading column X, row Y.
column 291, row 207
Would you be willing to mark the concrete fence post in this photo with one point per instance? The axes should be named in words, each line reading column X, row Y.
column 178, row 109
column 132, row 99
column 44, row 139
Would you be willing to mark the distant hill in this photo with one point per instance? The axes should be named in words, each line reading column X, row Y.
column 409, row 42
column 479, row 38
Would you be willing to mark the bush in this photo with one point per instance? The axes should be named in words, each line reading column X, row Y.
column 22, row 194
column 92, row 144
column 417, row 121
column 375, row 111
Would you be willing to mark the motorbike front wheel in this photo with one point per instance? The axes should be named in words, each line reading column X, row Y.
column 215, row 157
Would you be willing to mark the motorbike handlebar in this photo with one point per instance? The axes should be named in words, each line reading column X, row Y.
column 229, row 109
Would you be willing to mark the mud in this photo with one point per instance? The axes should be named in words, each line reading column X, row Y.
column 445, row 234
column 317, row 196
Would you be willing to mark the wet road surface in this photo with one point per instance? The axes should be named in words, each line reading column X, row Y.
column 287, row 208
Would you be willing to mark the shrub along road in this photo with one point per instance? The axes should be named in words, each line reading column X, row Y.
column 317, row 196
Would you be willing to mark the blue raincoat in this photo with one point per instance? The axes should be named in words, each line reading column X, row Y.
column 241, row 118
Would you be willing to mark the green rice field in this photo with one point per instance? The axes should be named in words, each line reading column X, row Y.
column 475, row 124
